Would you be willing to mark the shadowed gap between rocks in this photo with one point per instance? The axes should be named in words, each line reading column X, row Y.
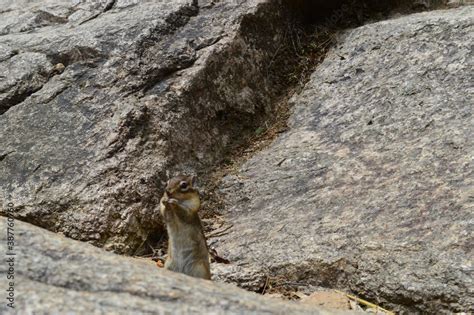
column 312, row 29
column 309, row 29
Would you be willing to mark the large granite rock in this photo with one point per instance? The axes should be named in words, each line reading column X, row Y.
column 99, row 99
column 57, row 275
column 372, row 187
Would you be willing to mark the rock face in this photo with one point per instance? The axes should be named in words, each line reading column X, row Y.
column 372, row 188
column 98, row 99
column 56, row 275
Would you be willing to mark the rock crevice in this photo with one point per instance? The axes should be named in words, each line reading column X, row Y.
column 368, row 188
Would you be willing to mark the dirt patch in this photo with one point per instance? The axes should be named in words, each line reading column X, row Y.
column 328, row 299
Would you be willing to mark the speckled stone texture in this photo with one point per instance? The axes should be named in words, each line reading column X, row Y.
column 371, row 189
column 57, row 275
column 100, row 99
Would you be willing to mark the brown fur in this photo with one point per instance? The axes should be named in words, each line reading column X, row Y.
column 187, row 248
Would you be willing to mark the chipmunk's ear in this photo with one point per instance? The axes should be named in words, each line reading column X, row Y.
column 193, row 180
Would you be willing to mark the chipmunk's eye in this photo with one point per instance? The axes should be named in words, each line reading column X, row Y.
column 183, row 185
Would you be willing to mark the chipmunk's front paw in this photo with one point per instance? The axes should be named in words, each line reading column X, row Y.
column 172, row 201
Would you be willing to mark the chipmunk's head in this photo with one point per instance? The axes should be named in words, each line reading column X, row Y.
column 182, row 188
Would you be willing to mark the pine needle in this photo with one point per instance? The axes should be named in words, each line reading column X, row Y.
column 366, row 303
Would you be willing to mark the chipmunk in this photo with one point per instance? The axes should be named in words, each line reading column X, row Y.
column 187, row 248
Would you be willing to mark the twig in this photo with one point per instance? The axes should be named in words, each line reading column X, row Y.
column 220, row 233
column 281, row 162
column 146, row 256
column 366, row 303
column 217, row 258
column 265, row 286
